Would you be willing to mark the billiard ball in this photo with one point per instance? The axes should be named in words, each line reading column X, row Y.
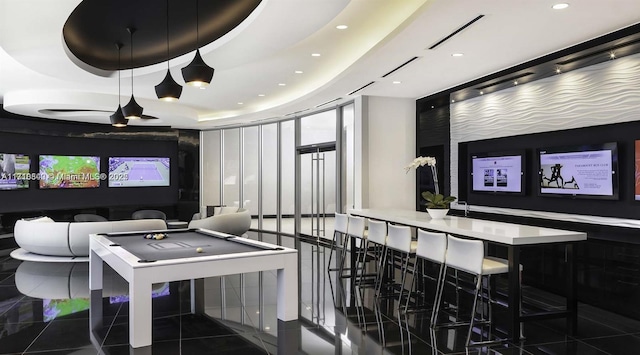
column 199, row 250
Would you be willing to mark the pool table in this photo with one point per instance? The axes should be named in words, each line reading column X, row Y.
column 143, row 262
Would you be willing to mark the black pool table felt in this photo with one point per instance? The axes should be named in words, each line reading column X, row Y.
column 181, row 244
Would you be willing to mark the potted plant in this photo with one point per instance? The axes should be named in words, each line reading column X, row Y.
column 437, row 204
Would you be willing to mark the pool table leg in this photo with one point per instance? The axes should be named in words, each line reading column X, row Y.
column 95, row 271
column 140, row 317
column 288, row 289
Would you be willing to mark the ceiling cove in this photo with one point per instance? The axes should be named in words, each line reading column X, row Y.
column 94, row 27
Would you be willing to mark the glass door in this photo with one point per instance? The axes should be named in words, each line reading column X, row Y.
column 317, row 196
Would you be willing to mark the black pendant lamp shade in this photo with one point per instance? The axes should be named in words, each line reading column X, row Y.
column 197, row 73
column 168, row 89
column 132, row 110
column 117, row 118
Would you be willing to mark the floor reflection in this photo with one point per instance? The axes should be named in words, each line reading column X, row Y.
column 42, row 310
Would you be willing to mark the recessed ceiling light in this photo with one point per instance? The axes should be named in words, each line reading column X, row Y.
column 298, row 72
column 481, row 92
column 612, row 55
column 342, row 27
column 240, row 103
column 558, row 70
column 261, row 95
column 282, row 84
column 457, row 54
column 560, row 6
column 315, row 54
column 397, row 82
column 452, row 101
column 515, row 82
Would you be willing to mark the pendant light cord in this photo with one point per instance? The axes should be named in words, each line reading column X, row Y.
column 131, row 30
column 168, row 67
column 197, row 27
column 119, row 45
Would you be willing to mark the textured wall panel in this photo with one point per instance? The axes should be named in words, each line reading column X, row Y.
column 600, row 94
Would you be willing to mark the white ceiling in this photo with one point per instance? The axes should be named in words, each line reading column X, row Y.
column 36, row 75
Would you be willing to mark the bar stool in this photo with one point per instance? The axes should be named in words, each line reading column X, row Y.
column 399, row 240
column 468, row 256
column 355, row 232
column 431, row 247
column 340, row 230
column 376, row 247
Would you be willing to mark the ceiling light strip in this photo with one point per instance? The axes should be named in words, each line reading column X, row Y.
column 328, row 102
column 356, row 90
column 456, row 31
column 400, row 66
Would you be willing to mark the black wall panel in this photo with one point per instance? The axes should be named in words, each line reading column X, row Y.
column 624, row 134
column 33, row 136
column 103, row 196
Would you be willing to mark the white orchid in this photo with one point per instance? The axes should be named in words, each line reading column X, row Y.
column 420, row 161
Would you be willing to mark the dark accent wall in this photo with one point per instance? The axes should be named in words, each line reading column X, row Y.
column 433, row 137
column 624, row 134
column 34, row 136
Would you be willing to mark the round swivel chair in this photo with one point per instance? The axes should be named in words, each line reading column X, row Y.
column 149, row 214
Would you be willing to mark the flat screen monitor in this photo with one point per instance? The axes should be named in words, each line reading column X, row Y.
column 637, row 170
column 139, row 171
column 14, row 171
column 588, row 171
column 498, row 173
column 69, row 172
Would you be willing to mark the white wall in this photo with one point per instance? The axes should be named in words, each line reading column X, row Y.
column 390, row 145
column 601, row 94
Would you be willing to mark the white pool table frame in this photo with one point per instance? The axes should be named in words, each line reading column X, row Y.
column 141, row 276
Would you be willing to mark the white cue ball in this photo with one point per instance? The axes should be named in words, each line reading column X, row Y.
column 199, row 250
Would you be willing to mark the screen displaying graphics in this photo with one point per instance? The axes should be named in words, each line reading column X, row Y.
column 502, row 173
column 637, row 171
column 69, row 172
column 138, row 172
column 589, row 170
column 14, row 171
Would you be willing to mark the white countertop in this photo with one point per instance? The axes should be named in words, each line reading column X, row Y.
column 499, row 232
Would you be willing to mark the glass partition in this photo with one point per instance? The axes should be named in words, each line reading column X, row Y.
column 250, row 171
column 288, row 177
column 270, row 177
column 255, row 167
column 231, row 167
column 211, row 149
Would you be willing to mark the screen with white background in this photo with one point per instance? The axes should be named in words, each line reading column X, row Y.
column 497, row 174
column 577, row 173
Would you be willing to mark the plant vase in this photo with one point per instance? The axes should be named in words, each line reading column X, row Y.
column 437, row 213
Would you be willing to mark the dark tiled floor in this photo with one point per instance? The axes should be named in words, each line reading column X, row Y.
column 240, row 317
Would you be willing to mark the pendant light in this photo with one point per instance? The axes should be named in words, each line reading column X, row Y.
column 132, row 110
column 168, row 89
column 118, row 119
column 197, row 73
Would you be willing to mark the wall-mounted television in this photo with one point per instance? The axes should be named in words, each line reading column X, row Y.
column 498, row 172
column 14, row 171
column 637, row 170
column 139, row 171
column 587, row 171
column 68, row 172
